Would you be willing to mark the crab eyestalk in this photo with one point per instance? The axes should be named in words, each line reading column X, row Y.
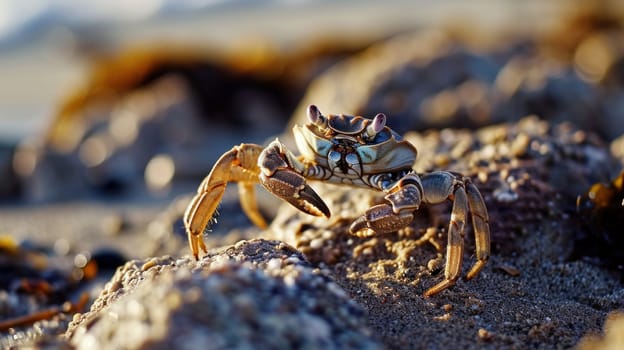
column 378, row 123
column 315, row 116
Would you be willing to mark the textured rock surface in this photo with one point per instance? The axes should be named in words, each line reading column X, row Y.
column 533, row 292
column 255, row 294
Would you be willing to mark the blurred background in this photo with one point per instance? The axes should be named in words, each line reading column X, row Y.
column 88, row 81
column 48, row 47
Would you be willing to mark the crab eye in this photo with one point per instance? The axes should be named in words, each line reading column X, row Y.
column 378, row 123
column 315, row 116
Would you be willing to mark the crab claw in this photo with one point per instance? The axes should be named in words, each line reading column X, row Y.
column 404, row 198
column 291, row 187
column 380, row 219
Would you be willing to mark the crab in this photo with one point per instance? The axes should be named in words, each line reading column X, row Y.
column 346, row 150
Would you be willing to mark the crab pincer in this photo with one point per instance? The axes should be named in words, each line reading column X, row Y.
column 278, row 178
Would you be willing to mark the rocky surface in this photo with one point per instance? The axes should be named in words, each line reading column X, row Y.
column 534, row 290
column 255, row 294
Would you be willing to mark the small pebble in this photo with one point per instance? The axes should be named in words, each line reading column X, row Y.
column 149, row 264
column 484, row 334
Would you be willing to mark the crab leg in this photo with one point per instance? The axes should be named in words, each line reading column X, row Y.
column 481, row 226
column 455, row 245
column 281, row 174
column 405, row 196
column 240, row 164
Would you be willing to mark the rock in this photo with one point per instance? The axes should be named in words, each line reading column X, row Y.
column 530, row 174
column 435, row 79
column 602, row 210
column 255, row 294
